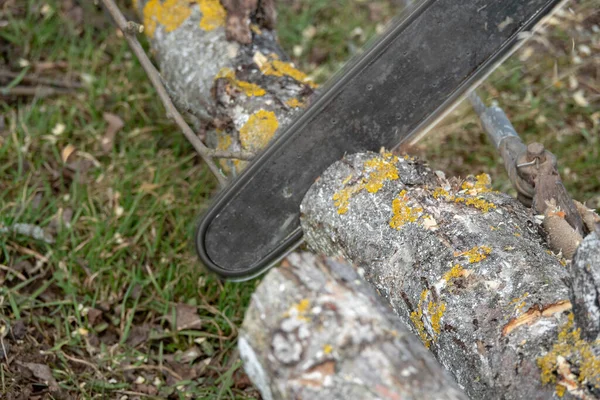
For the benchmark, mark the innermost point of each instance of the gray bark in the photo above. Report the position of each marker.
(585, 286)
(490, 318)
(315, 329)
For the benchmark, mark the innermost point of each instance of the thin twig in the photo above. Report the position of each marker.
(41, 81)
(40, 91)
(153, 368)
(237, 155)
(154, 77)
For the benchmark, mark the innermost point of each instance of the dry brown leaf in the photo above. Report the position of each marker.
(138, 335)
(148, 187)
(94, 315)
(187, 317)
(67, 152)
(115, 124)
(42, 372)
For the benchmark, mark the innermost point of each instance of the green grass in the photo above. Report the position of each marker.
(126, 251)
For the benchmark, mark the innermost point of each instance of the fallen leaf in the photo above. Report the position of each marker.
(115, 124)
(94, 315)
(42, 372)
(580, 99)
(187, 317)
(67, 152)
(148, 187)
(59, 129)
(138, 335)
(190, 354)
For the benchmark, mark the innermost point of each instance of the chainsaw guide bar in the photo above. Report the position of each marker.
(395, 90)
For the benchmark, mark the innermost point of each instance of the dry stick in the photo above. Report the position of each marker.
(136, 47)
(41, 81)
(40, 91)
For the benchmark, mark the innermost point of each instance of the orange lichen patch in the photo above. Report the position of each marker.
(341, 198)
(170, 14)
(402, 213)
(435, 311)
(577, 351)
(455, 272)
(276, 67)
(478, 203)
(295, 103)
(381, 169)
(471, 196)
(417, 319)
(482, 184)
(476, 254)
(440, 192)
(249, 89)
(534, 314)
(378, 170)
(258, 130)
(213, 14)
(299, 310)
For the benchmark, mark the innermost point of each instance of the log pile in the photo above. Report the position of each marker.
(465, 270)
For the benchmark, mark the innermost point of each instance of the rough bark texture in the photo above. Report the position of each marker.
(465, 267)
(585, 286)
(315, 329)
(242, 89)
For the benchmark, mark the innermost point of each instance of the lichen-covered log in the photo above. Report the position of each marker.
(316, 330)
(464, 266)
(585, 286)
(222, 63)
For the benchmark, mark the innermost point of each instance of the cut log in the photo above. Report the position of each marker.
(585, 286)
(464, 267)
(238, 92)
(316, 330)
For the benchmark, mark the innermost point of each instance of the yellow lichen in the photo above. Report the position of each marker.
(477, 253)
(471, 196)
(378, 170)
(560, 390)
(381, 169)
(294, 103)
(455, 272)
(170, 14)
(417, 319)
(482, 184)
(258, 130)
(276, 67)
(435, 311)
(249, 89)
(576, 351)
(402, 213)
(341, 199)
(439, 192)
(256, 29)
(327, 349)
(299, 310)
(213, 14)
(478, 203)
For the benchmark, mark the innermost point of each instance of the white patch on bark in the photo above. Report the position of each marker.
(254, 369)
